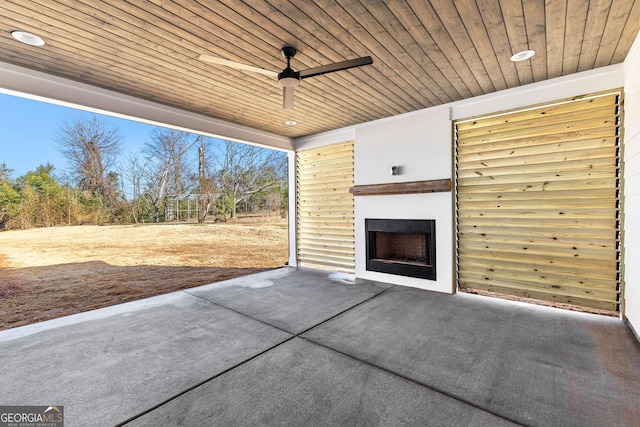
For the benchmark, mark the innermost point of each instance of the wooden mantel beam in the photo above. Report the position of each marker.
(431, 186)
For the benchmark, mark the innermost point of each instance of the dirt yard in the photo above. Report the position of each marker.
(51, 272)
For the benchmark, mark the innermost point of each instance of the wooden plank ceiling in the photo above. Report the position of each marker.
(425, 53)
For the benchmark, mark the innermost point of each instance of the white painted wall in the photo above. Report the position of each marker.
(420, 144)
(631, 156)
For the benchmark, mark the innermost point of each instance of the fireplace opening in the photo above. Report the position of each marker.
(400, 246)
(405, 248)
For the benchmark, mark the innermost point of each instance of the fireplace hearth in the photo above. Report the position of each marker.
(405, 247)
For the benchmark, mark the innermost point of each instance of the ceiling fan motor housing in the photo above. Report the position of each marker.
(288, 77)
(288, 52)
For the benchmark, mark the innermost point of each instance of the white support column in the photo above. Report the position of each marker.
(293, 242)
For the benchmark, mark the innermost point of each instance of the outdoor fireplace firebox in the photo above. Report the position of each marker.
(405, 247)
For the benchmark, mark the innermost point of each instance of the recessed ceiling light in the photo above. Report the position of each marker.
(523, 56)
(290, 123)
(27, 38)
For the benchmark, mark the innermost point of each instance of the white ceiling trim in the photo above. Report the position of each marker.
(22, 82)
(577, 84)
(325, 138)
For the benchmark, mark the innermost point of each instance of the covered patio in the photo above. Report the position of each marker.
(297, 346)
(312, 347)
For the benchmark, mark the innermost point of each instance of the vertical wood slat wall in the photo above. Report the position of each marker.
(538, 202)
(325, 208)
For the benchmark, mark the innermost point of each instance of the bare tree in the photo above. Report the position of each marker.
(133, 172)
(155, 186)
(246, 170)
(166, 170)
(208, 193)
(91, 149)
(274, 202)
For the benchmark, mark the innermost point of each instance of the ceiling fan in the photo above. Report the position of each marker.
(288, 78)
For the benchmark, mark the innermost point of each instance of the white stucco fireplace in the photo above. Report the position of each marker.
(420, 146)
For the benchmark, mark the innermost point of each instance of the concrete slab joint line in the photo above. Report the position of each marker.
(418, 383)
(305, 347)
(245, 361)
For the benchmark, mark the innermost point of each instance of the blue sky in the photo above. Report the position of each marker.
(29, 130)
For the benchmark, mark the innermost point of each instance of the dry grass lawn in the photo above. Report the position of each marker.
(52, 272)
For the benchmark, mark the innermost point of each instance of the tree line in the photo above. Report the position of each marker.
(198, 177)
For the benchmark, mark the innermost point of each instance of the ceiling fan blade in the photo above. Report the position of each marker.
(287, 97)
(237, 65)
(338, 66)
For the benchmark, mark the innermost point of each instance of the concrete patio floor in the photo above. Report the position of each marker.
(309, 347)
